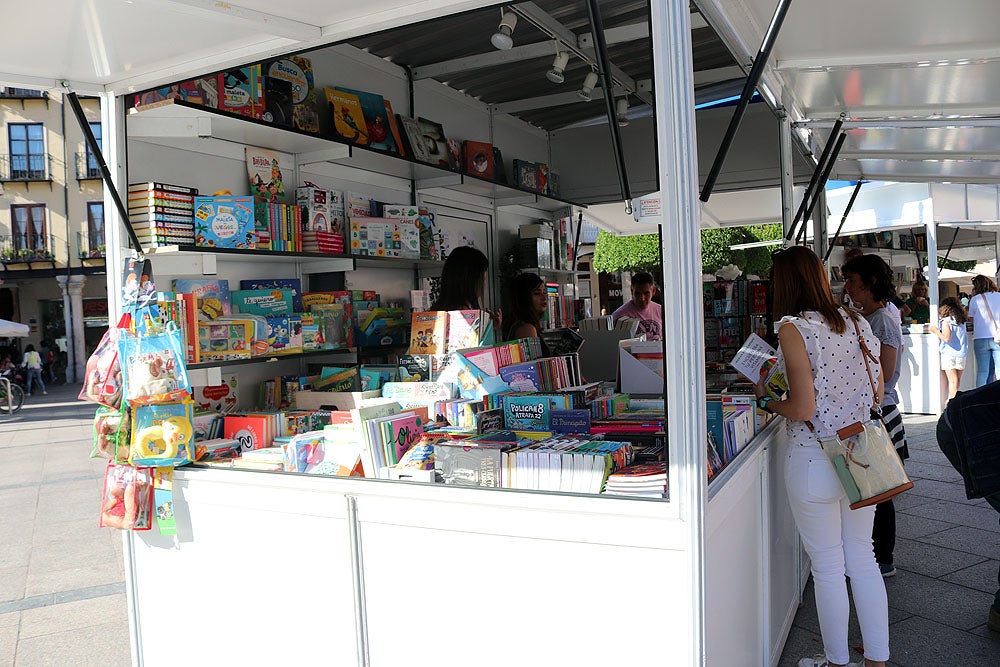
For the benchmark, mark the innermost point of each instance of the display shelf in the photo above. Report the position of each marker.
(241, 252)
(183, 125)
(554, 272)
(361, 262)
(267, 358)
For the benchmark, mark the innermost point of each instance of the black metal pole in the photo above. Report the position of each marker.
(807, 195)
(748, 89)
(601, 47)
(822, 184)
(843, 219)
(952, 244)
(95, 149)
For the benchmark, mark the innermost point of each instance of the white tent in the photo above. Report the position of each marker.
(13, 329)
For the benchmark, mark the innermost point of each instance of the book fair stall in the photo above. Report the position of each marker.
(280, 397)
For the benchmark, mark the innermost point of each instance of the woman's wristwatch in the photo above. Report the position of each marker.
(762, 403)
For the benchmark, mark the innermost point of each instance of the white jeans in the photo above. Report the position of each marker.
(839, 542)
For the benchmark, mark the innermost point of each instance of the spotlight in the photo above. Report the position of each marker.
(556, 74)
(586, 93)
(501, 38)
(621, 106)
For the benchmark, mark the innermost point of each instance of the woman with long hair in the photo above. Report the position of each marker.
(954, 342)
(868, 281)
(984, 311)
(463, 280)
(528, 301)
(828, 388)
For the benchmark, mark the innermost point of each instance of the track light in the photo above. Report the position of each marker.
(557, 73)
(621, 106)
(501, 38)
(586, 93)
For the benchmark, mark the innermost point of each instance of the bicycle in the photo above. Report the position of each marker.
(11, 397)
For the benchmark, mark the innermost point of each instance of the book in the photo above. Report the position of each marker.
(436, 143)
(526, 175)
(413, 135)
(266, 302)
(373, 110)
(224, 222)
(211, 296)
(455, 150)
(226, 339)
(466, 328)
(266, 171)
(293, 285)
(477, 159)
(348, 116)
(252, 431)
(292, 104)
(394, 129)
(220, 398)
(531, 412)
(429, 332)
(756, 359)
(163, 187)
(242, 91)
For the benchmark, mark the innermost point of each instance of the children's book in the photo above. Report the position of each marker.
(293, 285)
(266, 170)
(252, 431)
(532, 412)
(429, 332)
(757, 359)
(403, 431)
(526, 175)
(436, 143)
(348, 116)
(297, 106)
(231, 338)
(394, 129)
(266, 302)
(211, 296)
(220, 398)
(242, 91)
(373, 109)
(224, 222)
(415, 145)
(478, 159)
(466, 328)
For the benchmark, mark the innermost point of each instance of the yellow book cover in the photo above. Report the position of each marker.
(348, 118)
(429, 332)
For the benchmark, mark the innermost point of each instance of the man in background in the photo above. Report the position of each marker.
(642, 307)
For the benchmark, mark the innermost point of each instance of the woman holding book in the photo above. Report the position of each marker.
(463, 282)
(528, 300)
(828, 388)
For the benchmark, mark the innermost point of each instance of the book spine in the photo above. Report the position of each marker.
(169, 210)
(165, 187)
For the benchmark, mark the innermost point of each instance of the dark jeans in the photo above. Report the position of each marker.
(949, 447)
(884, 532)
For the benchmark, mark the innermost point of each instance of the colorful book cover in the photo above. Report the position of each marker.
(531, 412)
(478, 159)
(348, 116)
(465, 328)
(569, 421)
(394, 129)
(526, 175)
(373, 109)
(225, 222)
(265, 302)
(429, 332)
(222, 340)
(252, 431)
(299, 109)
(293, 285)
(266, 171)
(211, 296)
(217, 398)
(523, 377)
(471, 381)
(405, 430)
(162, 434)
(335, 324)
(242, 91)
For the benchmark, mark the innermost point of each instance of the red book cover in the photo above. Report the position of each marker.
(252, 431)
(477, 159)
(191, 326)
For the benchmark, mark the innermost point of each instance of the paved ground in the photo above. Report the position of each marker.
(62, 599)
(946, 555)
(62, 582)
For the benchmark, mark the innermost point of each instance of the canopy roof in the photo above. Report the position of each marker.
(13, 329)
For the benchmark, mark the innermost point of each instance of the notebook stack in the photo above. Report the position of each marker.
(162, 214)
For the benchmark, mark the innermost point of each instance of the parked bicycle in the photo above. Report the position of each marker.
(11, 396)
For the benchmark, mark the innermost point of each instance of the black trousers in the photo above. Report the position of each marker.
(884, 528)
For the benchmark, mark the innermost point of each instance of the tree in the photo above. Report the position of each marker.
(626, 253)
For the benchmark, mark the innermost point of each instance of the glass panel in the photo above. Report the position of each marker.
(92, 167)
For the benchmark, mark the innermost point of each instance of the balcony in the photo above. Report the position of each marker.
(91, 245)
(22, 93)
(25, 168)
(27, 249)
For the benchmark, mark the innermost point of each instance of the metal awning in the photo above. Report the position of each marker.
(918, 81)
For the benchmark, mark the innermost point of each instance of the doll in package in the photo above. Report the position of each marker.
(103, 380)
(154, 368)
(128, 498)
(112, 431)
(162, 435)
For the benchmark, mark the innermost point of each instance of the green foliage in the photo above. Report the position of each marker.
(956, 265)
(626, 253)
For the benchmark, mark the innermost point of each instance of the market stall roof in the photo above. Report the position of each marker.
(10, 329)
(917, 80)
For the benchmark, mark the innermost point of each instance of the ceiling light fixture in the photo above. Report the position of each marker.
(501, 38)
(621, 106)
(557, 73)
(586, 93)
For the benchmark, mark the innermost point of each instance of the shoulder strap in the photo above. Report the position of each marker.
(989, 311)
(866, 354)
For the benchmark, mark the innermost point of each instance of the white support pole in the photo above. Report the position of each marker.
(933, 386)
(788, 204)
(115, 239)
(676, 151)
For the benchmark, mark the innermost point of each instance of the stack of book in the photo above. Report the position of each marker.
(648, 480)
(325, 242)
(161, 214)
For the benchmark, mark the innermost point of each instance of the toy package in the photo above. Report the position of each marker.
(102, 382)
(153, 367)
(163, 435)
(128, 498)
(112, 431)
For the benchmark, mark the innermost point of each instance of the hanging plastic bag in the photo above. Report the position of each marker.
(154, 368)
(127, 501)
(102, 382)
(162, 435)
(112, 431)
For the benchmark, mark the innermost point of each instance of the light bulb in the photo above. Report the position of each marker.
(501, 39)
(586, 92)
(556, 74)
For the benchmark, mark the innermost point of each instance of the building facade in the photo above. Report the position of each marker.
(52, 271)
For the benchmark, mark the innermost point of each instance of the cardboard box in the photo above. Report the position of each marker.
(333, 400)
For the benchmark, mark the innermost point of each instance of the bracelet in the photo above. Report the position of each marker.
(762, 403)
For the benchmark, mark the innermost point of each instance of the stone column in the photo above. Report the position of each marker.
(79, 346)
(68, 327)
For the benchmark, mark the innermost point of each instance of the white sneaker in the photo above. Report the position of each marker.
(820, 661)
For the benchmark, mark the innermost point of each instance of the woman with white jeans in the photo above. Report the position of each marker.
(828, 388)
(984, 309)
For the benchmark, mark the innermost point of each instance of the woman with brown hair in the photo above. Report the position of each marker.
(954, 342)
(984, 311)
(828, 388)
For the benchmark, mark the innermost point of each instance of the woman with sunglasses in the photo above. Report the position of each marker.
(828, 388)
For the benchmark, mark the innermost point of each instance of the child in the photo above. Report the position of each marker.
(954, 344)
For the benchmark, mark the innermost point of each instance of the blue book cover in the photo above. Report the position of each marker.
(261, 302)
(569, 421)
(376, 118)
(278, 334)
(531, 412)
(472, 381)
(224, 222)
(211, 296)
(522, 377)
(715, 420)
(293, 285)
